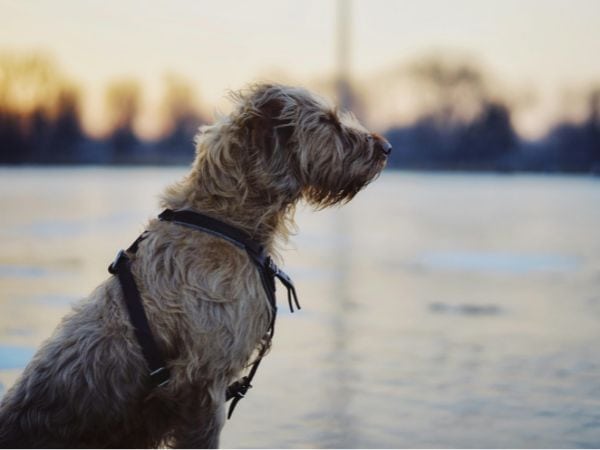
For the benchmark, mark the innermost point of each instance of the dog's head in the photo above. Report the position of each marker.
(289, 144)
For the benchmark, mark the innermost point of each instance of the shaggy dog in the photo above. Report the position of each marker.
(88, 384)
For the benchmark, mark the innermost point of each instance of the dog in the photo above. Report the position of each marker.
(205, 303)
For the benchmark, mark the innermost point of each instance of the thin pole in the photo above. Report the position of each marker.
(341, 350)
(343, 53)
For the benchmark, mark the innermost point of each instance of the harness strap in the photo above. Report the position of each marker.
(237, 390)
(193, 219)
(121, 266)
(268, 270)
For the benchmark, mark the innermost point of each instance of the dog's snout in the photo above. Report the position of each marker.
(386, 147)
(383, 144)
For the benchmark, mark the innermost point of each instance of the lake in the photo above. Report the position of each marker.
(438, 310)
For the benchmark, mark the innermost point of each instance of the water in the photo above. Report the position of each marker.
(438, 310)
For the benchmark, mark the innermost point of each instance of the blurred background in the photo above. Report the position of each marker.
(454, 303)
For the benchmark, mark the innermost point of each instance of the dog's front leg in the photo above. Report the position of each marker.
(202, 429)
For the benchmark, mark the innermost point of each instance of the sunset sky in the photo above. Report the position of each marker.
(545, 49)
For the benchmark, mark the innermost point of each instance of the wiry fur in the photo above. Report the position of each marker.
(87, 386)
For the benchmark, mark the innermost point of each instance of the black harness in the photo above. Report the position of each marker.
(121, 267)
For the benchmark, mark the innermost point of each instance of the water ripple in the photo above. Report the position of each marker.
(511, 263)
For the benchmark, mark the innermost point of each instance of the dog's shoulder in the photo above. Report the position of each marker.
(186, 259)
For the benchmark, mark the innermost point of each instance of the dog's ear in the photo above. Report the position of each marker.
(270, 125)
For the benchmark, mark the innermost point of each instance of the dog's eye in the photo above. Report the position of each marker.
(369, 138)
(327, 118)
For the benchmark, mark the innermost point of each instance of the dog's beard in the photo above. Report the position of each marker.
(342, 188)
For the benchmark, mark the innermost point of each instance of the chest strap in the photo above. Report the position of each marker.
(268, 271)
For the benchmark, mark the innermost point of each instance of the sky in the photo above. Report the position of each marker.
(541, 49)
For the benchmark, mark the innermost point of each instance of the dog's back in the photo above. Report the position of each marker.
(72, 393)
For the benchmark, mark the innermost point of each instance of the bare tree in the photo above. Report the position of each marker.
(123, 99)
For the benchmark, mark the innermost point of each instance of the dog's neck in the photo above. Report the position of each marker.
(267, 223)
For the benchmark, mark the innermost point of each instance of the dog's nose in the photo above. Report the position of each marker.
(386, 147)
(383, 144)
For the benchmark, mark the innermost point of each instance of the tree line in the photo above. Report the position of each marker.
(40, 119)
(464, 126)
(469, 128)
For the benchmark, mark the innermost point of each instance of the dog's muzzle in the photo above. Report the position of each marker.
(382, 144)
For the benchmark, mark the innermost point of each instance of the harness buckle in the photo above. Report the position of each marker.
(272, 266)
(112, 269)
(238, 389)
(160, 376)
